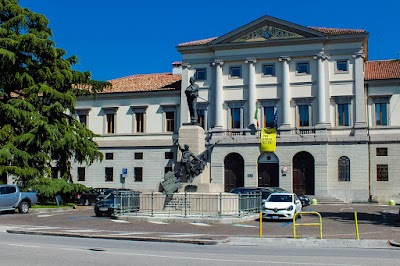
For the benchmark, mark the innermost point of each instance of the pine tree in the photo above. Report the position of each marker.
(38, 92)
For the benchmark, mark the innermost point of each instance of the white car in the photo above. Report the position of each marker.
(281, 206)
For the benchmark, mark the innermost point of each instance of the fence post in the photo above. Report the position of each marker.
(152, 203)
(185, 203)
(220, 204)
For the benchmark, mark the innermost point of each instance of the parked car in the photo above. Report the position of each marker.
(281, 205)
(305, 201)
(106, 205)
(12, 198)
(88, 197)
(265, 191)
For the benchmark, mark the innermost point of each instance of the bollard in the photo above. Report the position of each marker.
(356, 221)
(392, 203)
(314, 202)
(261, 224)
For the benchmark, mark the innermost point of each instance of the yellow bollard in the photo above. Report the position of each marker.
(356, 220)
(261, 221)
(392, 203)
(314, 202)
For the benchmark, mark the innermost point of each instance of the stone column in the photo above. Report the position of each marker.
(322, 122)
(252, 90)
(360, 120)
(186, 74)
(218, 93)
(285, 94)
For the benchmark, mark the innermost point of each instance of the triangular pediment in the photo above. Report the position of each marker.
(266, 29)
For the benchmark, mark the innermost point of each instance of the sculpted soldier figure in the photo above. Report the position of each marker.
(192, 92)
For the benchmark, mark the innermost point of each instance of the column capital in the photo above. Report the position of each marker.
(217, 62)
(186, 66)
(250, 60)
(359, 55)
(323, 56)
(285, 58)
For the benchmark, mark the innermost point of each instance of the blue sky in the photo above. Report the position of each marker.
(119, 38)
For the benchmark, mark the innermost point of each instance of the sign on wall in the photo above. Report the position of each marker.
(268, 140)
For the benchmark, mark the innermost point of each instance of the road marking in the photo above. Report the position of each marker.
(184, 235)
(156, 222)
(200, 224)
(26, 246)
(342, 209)
(44, 215)
(120, 221)
(245, 225)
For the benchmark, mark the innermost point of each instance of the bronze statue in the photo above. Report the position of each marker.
(192, 92)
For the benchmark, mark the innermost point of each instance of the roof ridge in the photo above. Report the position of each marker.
(144, 74)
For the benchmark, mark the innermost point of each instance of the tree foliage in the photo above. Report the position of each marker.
(38, 93)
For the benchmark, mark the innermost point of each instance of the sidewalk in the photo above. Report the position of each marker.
(202, 239)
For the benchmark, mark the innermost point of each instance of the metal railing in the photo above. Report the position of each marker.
(187, 204)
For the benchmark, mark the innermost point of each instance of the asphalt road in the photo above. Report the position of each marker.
(49, 250)
(375, 222)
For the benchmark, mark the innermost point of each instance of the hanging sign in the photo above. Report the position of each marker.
(268, 140)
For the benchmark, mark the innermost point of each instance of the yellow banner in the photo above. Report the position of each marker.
(268, 140)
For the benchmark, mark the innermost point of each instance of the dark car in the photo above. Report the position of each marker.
(108, 203)
(88, 197)
(305, 201)
(265, 191)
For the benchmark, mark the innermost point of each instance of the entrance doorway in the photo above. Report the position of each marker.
(234, 171)
(268, 170)
(303, 174)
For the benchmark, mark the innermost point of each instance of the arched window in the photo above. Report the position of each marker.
(344, 168)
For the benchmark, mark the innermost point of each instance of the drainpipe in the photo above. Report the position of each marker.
(369, 149)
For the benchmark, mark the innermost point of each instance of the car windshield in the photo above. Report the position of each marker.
(280, 198)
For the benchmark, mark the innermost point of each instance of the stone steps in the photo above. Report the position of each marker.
(326, 199)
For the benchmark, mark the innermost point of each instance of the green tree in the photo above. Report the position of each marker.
(38, 92)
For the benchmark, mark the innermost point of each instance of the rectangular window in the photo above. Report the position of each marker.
(109, 172)
(302, 68)
(201, 74)
(139, 122)
(110, 123)
(109, 156)
(304, 115)
(235, 117)
(382, 172)
(83, 119)
(269, 116)
(381, 114)
(81, 174)
(169, 155)
(138, 155)
(138, 174)
(170, 121)
(343, 114)
(381, 152)
(342, 66)
(269, 70)
(235, 72)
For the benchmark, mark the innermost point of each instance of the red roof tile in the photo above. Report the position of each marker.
(145, 82)
(382, 69)
(329, 31)
(336, 31)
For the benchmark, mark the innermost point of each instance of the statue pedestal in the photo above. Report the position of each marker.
(193, 136)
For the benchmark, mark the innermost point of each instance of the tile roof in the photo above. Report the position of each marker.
(145, 82)
(329, 31)
(382, 69)
(336, 31)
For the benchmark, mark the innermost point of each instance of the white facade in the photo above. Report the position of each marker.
(310, 81)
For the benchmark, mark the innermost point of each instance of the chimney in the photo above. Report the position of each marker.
(176, 68)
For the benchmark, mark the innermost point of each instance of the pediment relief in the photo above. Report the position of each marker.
(266, 33)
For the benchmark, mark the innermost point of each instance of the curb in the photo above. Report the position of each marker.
(394, 243)
(148, 239)
(47, 210)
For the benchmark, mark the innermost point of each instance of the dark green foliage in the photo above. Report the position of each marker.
(49, 188)
(38, 91)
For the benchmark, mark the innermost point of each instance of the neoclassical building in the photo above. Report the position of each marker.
(335, 113)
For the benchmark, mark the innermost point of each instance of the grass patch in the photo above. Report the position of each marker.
(52, 205)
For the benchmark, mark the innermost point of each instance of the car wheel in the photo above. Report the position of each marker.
(23, 207)
(86, 202)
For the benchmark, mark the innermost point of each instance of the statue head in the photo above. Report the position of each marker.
(192, 80)
(186, 147)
